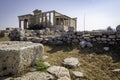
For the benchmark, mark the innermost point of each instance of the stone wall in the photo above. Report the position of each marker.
(107, 37)
(110, 37)
(16, 56)
(4, 33)
(21, 35)
(41, 36)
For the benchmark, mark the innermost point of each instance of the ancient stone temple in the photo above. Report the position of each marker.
(50, 19)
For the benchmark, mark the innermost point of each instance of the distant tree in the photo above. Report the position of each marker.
(109, 28)
(118, 28)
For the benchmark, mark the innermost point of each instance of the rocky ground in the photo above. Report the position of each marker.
(94, 63)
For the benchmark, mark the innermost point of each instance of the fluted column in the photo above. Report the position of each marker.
(54, 19)
(25, 24)
(46, 19)
(20, 24)
(75, 24)
(49, 19)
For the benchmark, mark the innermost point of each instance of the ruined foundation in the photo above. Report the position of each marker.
(17, 56)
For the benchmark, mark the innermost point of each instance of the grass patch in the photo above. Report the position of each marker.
(41, 66)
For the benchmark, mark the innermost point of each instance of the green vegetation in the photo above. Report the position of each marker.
(41, 66)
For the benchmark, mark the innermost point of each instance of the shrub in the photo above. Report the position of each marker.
(41, 66)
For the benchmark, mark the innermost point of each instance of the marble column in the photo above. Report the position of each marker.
(46, 19)
(54, 19)
(75, 25)
(62, 20)
(20, 24)
(42, 18)
(49, 19)
(69, 22)
(25, 24)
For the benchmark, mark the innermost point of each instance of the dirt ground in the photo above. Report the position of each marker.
(96, 64)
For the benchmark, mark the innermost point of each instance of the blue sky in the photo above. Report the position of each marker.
(99, 13)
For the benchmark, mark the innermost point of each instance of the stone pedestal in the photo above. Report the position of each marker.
(17, 56)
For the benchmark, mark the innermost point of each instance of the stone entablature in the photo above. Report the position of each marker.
(50, 19)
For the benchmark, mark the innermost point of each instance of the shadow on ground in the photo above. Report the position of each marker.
(64, 48)
(114, 50)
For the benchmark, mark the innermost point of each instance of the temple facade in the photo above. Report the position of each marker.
(50, 19)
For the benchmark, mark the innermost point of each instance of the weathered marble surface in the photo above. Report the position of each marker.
(16, 56)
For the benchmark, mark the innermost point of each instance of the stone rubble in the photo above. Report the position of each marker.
(33, 69)
(18, 55)
(108, 36)
(59, 71)
(77, 74)
(34, 76)
(116, 70)
(17, 35)
(83, 44)
(106, 48)
(47, 64)
(45, 57)
(64, 78)
(15, 59)
(2, 34)
(71, 62)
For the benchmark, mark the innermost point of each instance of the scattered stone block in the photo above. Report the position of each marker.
(16, 56)
(77, 74)
(116, 70)
(71, 62)
(84, 44)
(33, 69)
(64, 78)
(106, 48)
(35, 76)
(47, 64)
(59, 71)
(45, 57)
